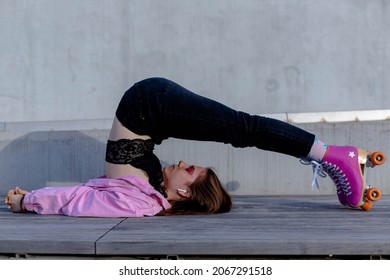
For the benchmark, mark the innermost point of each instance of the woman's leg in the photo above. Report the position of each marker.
(161, 109)
(116, 170)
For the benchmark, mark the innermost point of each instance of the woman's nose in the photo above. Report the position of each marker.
(182, 164)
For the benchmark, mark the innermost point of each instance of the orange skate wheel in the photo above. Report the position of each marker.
(378, 158)
(367, 205)
(373, 194)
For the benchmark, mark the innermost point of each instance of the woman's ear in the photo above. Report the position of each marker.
(182, 192)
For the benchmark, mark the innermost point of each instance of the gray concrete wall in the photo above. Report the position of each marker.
(34, 155)
(72, 60)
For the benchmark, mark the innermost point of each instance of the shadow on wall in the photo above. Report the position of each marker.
(54, 158)
(57, 158)
(232, 186)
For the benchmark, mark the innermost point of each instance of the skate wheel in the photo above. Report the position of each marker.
(373, 194)
(378, 158)
(367, 205)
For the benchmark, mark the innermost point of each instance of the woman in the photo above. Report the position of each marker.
(135, 184)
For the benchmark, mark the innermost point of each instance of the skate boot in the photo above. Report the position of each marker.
(346, 166)
(318, 170)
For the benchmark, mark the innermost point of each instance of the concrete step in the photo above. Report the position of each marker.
(38, 154)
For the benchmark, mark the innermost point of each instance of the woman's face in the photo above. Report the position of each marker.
(178, 177)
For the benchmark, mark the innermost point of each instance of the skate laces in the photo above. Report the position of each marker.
(318, 170)
(334, 172)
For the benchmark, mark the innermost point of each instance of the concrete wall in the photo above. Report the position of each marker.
(72, 60)
(65, 64)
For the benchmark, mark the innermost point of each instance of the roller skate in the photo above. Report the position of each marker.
(346, 166)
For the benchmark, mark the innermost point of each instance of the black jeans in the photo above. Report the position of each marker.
(161, 109)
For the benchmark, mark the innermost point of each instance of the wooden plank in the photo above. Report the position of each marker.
(59, 235)
(257, 226)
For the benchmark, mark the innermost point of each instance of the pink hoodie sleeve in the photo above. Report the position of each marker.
(97, 198)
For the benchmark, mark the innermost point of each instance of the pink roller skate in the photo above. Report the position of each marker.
(318, 170)
(346, 165)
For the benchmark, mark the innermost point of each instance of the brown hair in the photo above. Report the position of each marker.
(207, 197)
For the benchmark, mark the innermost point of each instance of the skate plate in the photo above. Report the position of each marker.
(369, 159)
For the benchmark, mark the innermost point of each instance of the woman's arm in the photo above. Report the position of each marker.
(82, 200)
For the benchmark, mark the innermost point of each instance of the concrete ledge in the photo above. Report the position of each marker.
(38, 154)
(56, 125)
(335, 117)
(295, 118)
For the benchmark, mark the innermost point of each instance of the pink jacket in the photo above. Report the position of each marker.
(128, 196)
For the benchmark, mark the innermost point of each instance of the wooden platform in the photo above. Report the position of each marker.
(257, 226)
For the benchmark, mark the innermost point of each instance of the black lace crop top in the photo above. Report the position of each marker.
(138, 153)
